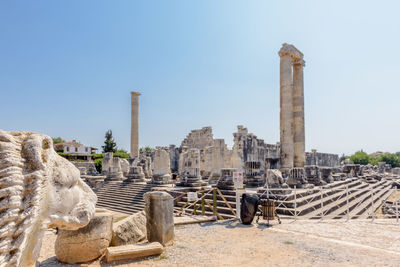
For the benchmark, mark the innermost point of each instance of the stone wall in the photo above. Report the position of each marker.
(322, 159)
(190, 163)
(89, 167)
(253, 156)
(200, 138)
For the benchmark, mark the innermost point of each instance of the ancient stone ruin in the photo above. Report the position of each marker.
(162, 167)
(292, 107)
(203, 161)
(40, 189)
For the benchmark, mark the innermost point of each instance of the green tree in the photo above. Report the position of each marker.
(360, 157)
(120, 153)
(391, 159)
(145, 149)
(57, 140)
(109, 143)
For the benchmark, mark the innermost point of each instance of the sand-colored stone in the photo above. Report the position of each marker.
(38, 188)
(135, 124)
(130, 230)
(286, 113)
(292, 134)
(87, 243)
(159, 217)
(130, 252)
(162, 167)
(298, 114)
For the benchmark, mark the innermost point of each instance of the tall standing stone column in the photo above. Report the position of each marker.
(298, 114)
(135, 124)
(286, 112)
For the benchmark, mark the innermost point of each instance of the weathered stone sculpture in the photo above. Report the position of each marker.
(38, 189)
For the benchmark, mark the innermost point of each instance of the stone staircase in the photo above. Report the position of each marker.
(334, 201)
(125, 197)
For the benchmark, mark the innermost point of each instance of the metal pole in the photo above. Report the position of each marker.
(322, 205)
(203, 210)
(347, 202)
(397, 208)
(372, 204)
(295, 203)
(239, 193)
(215, 201)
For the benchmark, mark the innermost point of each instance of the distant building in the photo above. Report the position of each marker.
(74, 150)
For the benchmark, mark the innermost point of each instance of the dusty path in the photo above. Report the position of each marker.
(300, 243)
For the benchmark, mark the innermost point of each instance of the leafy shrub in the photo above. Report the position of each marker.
(360, 157)
(98, 163)
(121, 154)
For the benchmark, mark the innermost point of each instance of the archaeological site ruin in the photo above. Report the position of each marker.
(303, 184)
(129, 209)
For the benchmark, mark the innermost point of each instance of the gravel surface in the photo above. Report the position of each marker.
(300, 243)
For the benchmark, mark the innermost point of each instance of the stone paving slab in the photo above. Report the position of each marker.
(182, 220)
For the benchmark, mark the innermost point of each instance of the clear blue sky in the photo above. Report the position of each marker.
(67, 67)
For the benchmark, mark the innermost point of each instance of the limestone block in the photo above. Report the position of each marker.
(116, 165)
(90, 168)
(130, 230)
(160, 217)
(274, 178)
(38, 188)
(396, 171)
(161, 162)
(226, 179)
(87, 243)
(82, 170)
(296, 178)
(107, 162)
(130, 252)
(124, 166)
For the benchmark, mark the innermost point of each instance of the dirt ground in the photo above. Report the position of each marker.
(292, 243)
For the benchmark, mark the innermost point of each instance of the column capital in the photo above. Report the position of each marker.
(288, 49)
(135, 93)
(299, 61)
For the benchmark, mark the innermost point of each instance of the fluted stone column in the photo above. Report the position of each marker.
(298, 114)
(135, 124)
(286, 112)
